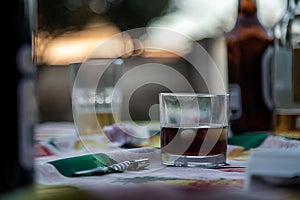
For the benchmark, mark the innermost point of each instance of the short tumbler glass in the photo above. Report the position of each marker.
(193, 129)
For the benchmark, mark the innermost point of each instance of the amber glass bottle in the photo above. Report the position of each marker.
(246, 43)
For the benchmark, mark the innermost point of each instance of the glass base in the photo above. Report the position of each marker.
(194, 161)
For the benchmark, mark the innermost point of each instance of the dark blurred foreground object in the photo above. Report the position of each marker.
(246, 43)
(16, 172)
(148, 192)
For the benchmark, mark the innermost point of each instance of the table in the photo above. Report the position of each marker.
(156, 182)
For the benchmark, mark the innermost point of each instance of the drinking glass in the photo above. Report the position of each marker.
(193, 129)
(96, 96)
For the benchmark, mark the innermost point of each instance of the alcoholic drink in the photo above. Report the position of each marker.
(287, 125)
(85, 122)
(194, 141)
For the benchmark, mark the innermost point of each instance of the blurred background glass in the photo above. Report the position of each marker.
(68, 30)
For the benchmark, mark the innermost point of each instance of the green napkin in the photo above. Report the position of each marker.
(68, 166)
(248, 140)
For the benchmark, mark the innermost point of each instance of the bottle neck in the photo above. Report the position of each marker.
(291, 5)
(247, 12)
(247, 7)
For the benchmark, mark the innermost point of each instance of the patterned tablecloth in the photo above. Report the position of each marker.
(59, 141)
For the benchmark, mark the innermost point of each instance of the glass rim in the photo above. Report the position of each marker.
(97, 61)
(187, 94)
